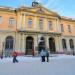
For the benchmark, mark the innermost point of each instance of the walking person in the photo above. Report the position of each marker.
(43, 54)
(14, 57)
(47, 56)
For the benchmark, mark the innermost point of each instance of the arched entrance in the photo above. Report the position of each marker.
(71, 44)
(29, 45)
(64, 44)
(41, 44)
(52, 45)
(8, 45)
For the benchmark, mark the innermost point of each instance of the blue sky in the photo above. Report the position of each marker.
(62, 7)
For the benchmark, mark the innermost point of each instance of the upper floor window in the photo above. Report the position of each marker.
(50, 25)
(41, 24)
(0, 19)
(62, 28)
(69, 28)
(29, 22)
(11, 21)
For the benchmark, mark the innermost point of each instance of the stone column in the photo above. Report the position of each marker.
(68, 44)
(17, 42)
(55, 27)
(35, 23)
(35, 44)
(58, 44)
(47, 42)
(19, 24)
(2, 47)
(74, 43)
(24, 22)
(58, 25)
(23, 43)
(61, 46)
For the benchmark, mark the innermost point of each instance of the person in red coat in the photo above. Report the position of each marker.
(14, 57)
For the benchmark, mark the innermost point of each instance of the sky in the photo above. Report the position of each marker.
(62, 7)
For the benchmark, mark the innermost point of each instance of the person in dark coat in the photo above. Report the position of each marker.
(47, 56)
(14, 57)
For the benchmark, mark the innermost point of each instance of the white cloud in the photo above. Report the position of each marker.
(49, 2)
(39, 0)
(54, 5)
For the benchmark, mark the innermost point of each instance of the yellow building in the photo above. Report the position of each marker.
(34, 28)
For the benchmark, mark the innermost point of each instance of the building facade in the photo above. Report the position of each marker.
(28, 29)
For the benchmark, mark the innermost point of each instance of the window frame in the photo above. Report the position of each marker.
(11, 21)
(69, 28)
(62, 28)
(30, 21)
(40, 24)
(50, 25)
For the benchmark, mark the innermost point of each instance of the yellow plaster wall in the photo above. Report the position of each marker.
(5, 20)
(65, 25)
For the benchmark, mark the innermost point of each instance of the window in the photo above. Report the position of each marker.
(62, 28)
(29, 22)
(69, 28)
(71, 44)
(41, 24)
(11, 21)
(64, 44)
(0, 19)
(50, 25)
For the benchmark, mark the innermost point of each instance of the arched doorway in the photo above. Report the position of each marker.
(64, 44)
(8, 45)
(71, 44)
(29, 45)
(52, 45)
(41, 44)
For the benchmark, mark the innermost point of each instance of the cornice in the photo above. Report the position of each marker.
(7, 9)
(41, 32)
(30, 9)
(67, 19)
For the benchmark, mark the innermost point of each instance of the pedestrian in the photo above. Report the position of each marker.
(14, 57)
(43, 54)
(47, 56)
